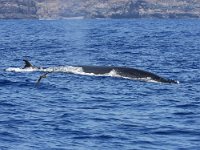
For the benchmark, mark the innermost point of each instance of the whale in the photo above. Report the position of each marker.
(124, 72)
(131, 73)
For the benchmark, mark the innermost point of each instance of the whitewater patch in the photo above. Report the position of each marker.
(64, 69)
(12, 69)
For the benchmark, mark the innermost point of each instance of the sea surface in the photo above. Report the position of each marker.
(70, 111)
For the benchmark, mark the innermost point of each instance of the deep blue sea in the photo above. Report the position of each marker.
(84, 112)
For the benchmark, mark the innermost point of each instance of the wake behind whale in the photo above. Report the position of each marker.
(113, 71)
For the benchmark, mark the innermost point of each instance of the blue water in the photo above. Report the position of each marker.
(79, 112)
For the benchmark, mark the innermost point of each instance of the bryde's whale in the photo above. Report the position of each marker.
(123, 72)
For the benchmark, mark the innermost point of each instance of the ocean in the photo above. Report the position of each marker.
(77, 111)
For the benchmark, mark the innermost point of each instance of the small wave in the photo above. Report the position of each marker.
(5, 82)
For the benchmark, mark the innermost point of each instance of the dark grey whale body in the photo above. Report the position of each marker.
(131, 73)
(127, 72)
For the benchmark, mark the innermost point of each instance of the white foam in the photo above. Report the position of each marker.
(148, 79)
(113, 73)
(67, 69)
(64, 69)
(12, 69)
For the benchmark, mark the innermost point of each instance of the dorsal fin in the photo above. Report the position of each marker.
(27, 64)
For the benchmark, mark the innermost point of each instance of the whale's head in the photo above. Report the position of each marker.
(169, 81)
(174, 81)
